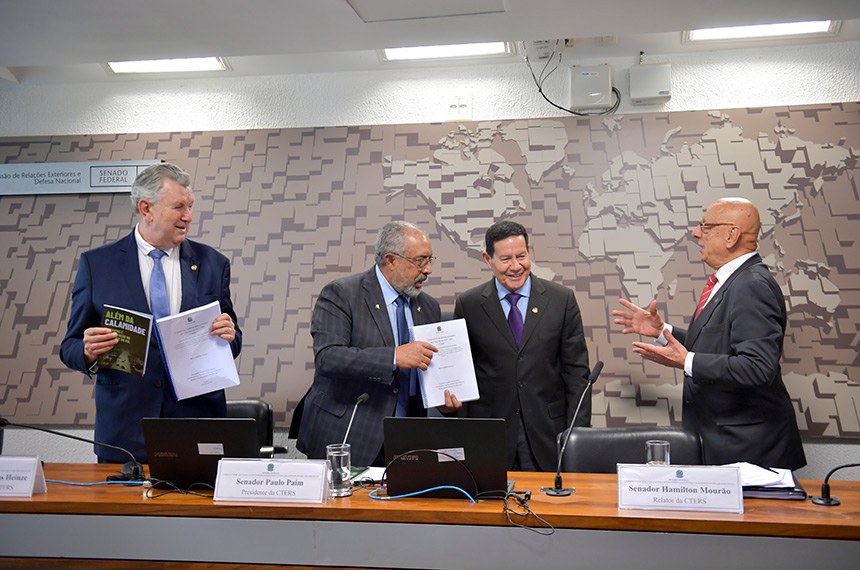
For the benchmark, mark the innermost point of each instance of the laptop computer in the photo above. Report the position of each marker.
(469, 453)
(185, 451)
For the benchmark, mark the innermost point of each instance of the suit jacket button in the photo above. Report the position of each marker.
(158, 383)
(396, 390)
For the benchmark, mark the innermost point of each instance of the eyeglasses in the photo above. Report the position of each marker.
(419, 262)
(704, 227)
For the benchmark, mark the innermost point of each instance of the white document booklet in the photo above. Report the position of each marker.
(196, 361)
(451, 368)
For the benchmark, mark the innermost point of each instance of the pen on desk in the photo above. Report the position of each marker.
(772, 470)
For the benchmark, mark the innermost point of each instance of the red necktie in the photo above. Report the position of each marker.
(706, 292)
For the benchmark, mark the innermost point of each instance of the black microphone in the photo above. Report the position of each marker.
(361, 399)
(131, 470)
(825, 500)
(558, 490)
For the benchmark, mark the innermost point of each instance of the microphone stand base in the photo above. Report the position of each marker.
(553, 492)
(826, 501)
(130, 471)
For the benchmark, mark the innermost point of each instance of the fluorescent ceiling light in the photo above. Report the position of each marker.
(444, 52)
(169, 65)
(765, 31)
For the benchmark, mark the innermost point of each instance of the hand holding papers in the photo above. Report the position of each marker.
(196, 361)
(451, 368)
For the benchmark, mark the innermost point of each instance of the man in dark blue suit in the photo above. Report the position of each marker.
(734, 395)
(357, 349)
(120, 274)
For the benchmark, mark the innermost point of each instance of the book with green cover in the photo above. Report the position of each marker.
(133, 330)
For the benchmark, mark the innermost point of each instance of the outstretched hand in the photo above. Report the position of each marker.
(673, 354)
(638, 320)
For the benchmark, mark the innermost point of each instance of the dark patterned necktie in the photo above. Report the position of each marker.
(403, 374)
(515, 318)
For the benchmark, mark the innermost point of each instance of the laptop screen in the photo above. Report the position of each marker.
(185, 451)
(423, 453)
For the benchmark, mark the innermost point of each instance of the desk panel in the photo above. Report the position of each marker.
(118, 523)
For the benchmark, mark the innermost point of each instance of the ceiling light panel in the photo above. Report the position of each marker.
(447, 52)
(189, 64)
(821, 28)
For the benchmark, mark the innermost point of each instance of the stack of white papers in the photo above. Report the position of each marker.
(755, 476)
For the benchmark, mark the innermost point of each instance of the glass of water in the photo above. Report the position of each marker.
(658, 452)
(339, 463)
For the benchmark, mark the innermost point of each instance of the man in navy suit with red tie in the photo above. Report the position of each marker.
(734, 395)
(124, 274)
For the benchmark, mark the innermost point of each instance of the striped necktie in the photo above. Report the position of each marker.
(706, 293)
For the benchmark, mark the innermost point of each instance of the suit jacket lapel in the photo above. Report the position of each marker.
(420, 315)
(128, 267)
(375, 304)
(189, 270)
(699, 322)
(537, 304)
(493, 309)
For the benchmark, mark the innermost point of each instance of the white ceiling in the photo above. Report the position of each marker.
(59, 41)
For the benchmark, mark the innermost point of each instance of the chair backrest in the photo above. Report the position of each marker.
(259, 410)
(597, 450)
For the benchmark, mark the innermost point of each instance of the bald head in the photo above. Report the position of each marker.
(743, 214)
(728, 230)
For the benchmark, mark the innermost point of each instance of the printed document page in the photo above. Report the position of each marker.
(197, 362)
(451, 368)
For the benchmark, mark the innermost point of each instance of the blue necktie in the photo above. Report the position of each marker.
(515, 317)
(403, 374)
(158, 299)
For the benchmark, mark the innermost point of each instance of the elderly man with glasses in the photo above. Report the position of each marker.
(734, 395)
(361, 332)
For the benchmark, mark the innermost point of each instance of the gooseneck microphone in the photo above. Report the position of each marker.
(131, 470)
(825, 500)
(361, 399)
(558, 490)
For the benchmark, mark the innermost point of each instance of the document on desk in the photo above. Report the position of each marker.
(197, 362)
(451, 368)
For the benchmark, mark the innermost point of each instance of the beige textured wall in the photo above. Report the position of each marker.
(610, 202)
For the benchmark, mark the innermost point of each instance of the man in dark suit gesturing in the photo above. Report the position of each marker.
(529, 351)
(734, 395)
(359, 347)
(121, 274)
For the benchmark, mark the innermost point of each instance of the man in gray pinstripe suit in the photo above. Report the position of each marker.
(354, 327)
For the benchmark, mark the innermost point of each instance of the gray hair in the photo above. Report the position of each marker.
(392, 237)
(147, 185)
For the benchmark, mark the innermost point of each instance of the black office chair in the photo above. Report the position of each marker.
(261, 412)
(597, 450)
